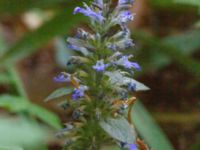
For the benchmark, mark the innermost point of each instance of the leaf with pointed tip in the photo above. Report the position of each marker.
(148, 129)
(119, 129)
(59, 93)
(18, 104)
(118, 78)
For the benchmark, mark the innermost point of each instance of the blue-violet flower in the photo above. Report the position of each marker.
(100, 66)
(128, 64)
(131, 86)
(79, 92)
(63, 77)
(125, 16)
(87, 11)
(132, 147)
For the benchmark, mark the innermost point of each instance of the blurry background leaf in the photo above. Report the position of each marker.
(2, 43)
(170, 52)
(162, 3)
(58, 25)
(18, 6)
(148, 129)
(10, 148)
(191, 2)
(4, 78)
(19, 105)
(186, 43)
(22, 133)
(110, 148)
(46, 116)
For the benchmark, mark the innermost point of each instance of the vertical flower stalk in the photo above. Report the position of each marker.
(101, 89)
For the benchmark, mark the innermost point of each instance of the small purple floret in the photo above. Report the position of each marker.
(131, 86)
(100, 66)
(132, 147)
(96, 16)
(62, 78)
(128, 64)
(125, 16)
(78, 92)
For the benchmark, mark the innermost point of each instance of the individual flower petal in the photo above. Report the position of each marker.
(87, 11)
(100, 66)
(132, 147)
(123, 61)
(131, 86)
(63, 77)
(79, 92)
(125, 16)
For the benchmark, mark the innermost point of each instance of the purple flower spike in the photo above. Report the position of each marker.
(125, 16)
(132, 147)
(63, 77)
(96, 16)
(79, 92)
(100, 66)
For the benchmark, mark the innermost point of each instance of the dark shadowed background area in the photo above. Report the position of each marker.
(33, 50)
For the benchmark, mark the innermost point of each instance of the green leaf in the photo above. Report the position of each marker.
(10, 148)
(119, 129)
(162, 3)
(18, 6)
(197, 24)
(59, 93)
(5, 78)
(148, 129)
(186, 43)
(22, 133)
(110, 148)
(13, 103)
(189, 2)
(2, 43)
(118, 78)
(33, 40)
(170, 52)
(46, 116)
(18, 105)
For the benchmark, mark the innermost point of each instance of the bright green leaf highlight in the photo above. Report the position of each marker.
(148, 129)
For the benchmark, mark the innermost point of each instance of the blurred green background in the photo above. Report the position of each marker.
(33, 50)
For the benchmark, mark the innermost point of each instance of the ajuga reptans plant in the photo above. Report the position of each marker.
(99, 92)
